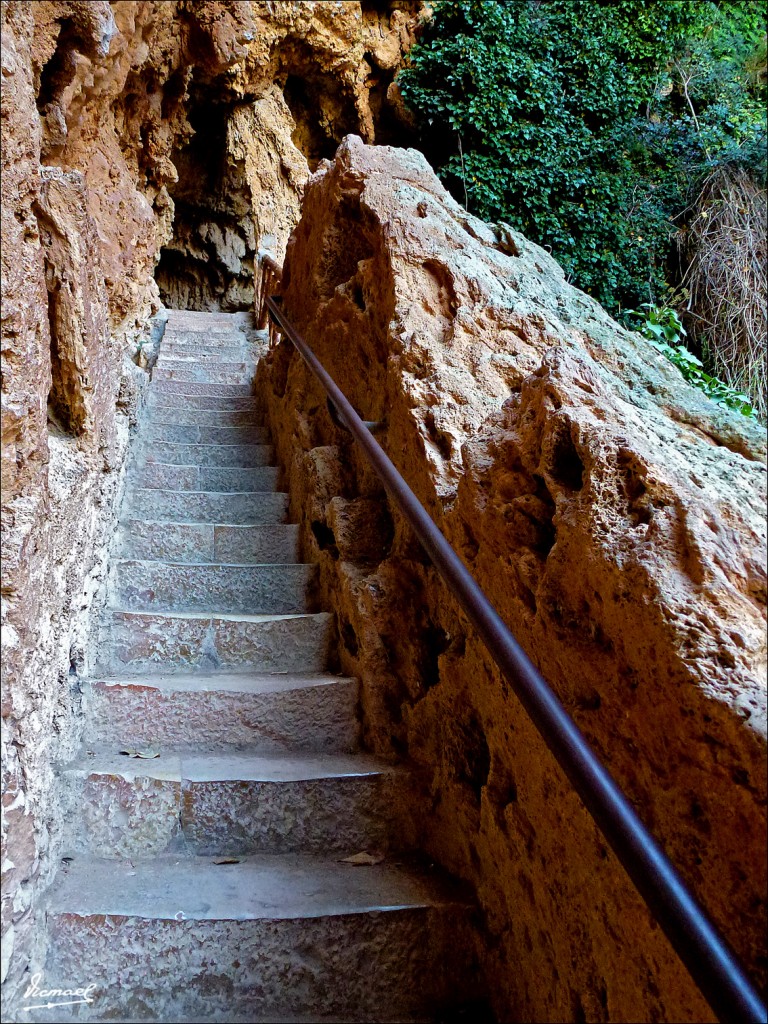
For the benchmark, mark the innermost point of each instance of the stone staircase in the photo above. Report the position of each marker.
(210, 882)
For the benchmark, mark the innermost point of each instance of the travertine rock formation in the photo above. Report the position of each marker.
(615, 518)
(128, 140)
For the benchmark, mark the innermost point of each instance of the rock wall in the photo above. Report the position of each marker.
(615, 518)
(68, 390)
(276, 87)
(132, 133)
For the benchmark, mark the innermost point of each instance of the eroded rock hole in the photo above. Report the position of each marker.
(60, 69)
(60, 414)
(345, 246)
(565, 464)
(349, 639)
(471, 755)
(435, 642)
(635, 490)
(439, 438)
(325, 537)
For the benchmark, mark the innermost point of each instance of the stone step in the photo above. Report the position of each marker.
(205, 339)
(164, 476)
(203, 417)
(222, 373)
(212, 324)
(208, 330)
(244, 508)
(133, 643)
(248, 456)
(188, 433)
(268, 713)
(208, 324)
(230, 803)
(185, 387)
(172, 361)
(211, 352)
(303, 933)
(253, 589)
(267, 1016)
(210, 339)
(163, 399)
(209, 542)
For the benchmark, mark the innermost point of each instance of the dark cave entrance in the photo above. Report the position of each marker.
(208, 264)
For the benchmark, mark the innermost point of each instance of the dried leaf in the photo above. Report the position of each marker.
(363, 859)
(227, 860)
(148, 754)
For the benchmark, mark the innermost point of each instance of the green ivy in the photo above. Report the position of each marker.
(661, 325)
(562, 119)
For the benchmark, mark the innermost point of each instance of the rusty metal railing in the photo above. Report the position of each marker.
(710, 962)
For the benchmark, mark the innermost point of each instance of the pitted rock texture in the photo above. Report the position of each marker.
(615, 518)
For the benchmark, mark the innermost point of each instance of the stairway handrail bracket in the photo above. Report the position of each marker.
(706, 955)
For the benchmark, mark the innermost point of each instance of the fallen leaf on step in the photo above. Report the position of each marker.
(227, 860)
(148, 753)
(363, 859)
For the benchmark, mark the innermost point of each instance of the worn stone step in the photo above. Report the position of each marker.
(172, 362)
(268, 713)
(165, 476)
(203, 417)
(206, 325)
(230, 803)
(207, 506)
(304, 933)
(170, 400)
(65, 1015)
(253, 589)
(214, 335)
(209, 542)
(188, 433)
(206, 339)
(210, 352)
(134, 643)
(222, 373)
(277, 1015)
(185, 387)
(248, 456)
(208, 330)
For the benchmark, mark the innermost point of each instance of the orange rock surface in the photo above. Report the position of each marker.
(615, 518)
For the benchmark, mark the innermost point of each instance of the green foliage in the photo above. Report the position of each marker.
(661, 325)
(586, 125)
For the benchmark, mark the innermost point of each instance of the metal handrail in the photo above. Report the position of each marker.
(710, 962)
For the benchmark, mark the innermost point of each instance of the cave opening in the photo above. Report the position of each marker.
(313, 134)
(208, 264)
